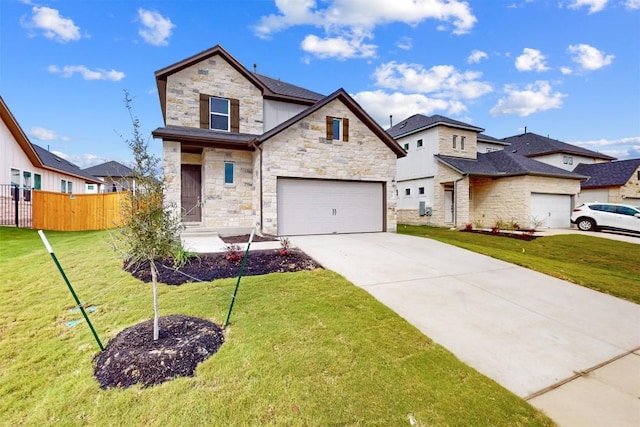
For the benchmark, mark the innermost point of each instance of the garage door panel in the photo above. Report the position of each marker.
(553, 209)
(307, 206)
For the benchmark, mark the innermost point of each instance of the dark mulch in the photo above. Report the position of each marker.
(244, 238)
(520, 235)
(207, 267)
(134, 357)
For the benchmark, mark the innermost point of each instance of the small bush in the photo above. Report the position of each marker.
(232, 252)
(478, 224)
(285, 246)
(468, 227)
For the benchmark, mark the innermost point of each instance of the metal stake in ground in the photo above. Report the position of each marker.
(244, 260)
(75, 297)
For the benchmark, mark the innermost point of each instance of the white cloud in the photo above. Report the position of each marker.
(566, 70)
(87, 74)
(82, 160)
(632, 4)
(476, 56)
(54, 26)
(531, 60)
(338, 47)
(441, 80)
(593, 5)
(380, 104)
(406, 43)
(44, 134)
(622, 148)
(533, 98)
(589, 58)
(348, 20)
(155, 29)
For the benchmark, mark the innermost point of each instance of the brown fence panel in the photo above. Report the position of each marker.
(76, 212)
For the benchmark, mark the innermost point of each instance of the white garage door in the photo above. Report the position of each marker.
(553, 209)
(309, 206)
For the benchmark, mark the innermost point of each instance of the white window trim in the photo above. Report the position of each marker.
(228, 115)
(233, 174)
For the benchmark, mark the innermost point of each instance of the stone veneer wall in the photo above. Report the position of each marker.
(302, 151)
(171, 168)
(446, 175)
(445, 142)
(215, 77)
(412, 216)
(510, 198)
(630, 189)
(227, 205)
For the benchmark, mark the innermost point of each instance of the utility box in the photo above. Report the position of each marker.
(424, 210)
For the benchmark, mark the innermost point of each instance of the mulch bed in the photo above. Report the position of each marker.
(134, 357)
(520, 235)
(207, 267)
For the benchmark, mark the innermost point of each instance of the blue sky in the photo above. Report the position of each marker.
(567, 69)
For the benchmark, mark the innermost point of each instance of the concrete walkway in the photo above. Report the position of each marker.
(527, 331)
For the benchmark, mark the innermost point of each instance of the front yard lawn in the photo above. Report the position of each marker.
(304, 348)
(602, 264)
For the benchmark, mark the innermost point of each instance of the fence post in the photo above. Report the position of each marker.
(16, 197)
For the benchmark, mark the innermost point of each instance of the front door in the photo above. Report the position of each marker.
(190, 199)
(448, 206)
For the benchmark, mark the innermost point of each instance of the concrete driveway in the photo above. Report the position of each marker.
(525, 330)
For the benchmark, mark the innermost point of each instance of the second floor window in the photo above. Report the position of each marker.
(219, 113)
(337, 129)
(455, 137)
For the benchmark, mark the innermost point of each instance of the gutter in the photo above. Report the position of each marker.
(253, 143)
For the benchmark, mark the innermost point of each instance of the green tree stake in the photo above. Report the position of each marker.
(64, 276)
(235, 292)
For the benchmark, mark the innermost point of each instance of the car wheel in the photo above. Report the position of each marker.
(586, 224)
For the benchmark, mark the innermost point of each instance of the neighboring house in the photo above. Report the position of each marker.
(114, 176)
(553, 152)
(31, 167)
(243, 150)
(454, 175)
(613, 182)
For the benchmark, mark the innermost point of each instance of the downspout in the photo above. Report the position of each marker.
(455, 199)
(253, 144)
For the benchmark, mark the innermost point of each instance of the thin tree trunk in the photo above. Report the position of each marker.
(156, 315)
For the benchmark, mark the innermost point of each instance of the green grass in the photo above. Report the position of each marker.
(303, 349)
(608, 266)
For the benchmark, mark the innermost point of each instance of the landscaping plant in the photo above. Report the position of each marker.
(151, 228)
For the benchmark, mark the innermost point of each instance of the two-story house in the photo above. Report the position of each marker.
(454, 175)
(243, 150)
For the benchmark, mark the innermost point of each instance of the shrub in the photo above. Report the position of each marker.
(478, 224)
(468, 227)
(232, 253)
(285, 246)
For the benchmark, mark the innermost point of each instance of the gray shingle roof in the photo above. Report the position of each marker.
(531, 145)
(419, 122)
(486, 138)
(206, 137)
(286, 89)
(608, 174)
(504, 163)
(110, 169)
(56, 162)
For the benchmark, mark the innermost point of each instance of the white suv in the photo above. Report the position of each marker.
(591, 216)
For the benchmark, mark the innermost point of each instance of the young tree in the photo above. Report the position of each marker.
(151, 229)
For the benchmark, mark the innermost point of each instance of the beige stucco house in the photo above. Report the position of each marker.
(455, 175)
(243, 150)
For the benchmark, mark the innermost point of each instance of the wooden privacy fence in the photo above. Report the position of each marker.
(77, 212)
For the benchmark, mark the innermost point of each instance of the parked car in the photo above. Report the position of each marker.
(592, 216)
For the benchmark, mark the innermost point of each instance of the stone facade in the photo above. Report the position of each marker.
(509, 199)
(215, 77)
(302, 151)
(445, 142)
(447, 177)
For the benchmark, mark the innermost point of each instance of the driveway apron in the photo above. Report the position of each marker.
(526, 330)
